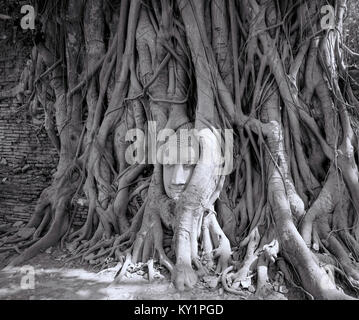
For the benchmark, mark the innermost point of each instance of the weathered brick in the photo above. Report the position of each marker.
(20, 145)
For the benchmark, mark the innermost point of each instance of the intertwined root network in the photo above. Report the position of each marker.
(268, 70)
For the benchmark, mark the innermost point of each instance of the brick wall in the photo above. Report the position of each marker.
(27, 157)
(11, 64)
(27, 164)
(27, 161)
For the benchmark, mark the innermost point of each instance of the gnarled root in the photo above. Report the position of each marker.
(215, 243)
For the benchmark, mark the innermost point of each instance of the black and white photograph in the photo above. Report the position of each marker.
(201, 152)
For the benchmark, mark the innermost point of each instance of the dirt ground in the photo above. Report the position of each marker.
(57, 280)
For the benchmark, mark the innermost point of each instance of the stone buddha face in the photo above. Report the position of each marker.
(180, 159)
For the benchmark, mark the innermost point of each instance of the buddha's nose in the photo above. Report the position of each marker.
(178, 177)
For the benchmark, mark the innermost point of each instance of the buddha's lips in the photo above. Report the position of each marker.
(177, 189)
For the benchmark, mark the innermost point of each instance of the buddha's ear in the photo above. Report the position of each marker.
(219, 187)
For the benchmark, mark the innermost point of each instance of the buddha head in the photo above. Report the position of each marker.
(180, 155)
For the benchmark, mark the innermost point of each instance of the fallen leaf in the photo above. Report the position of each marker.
(211, 281)
(283, 289)
(246, 283)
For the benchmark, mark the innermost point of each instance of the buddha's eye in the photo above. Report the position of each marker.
(188, 165)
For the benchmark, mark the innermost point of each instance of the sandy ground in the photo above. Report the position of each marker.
(55, 279)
